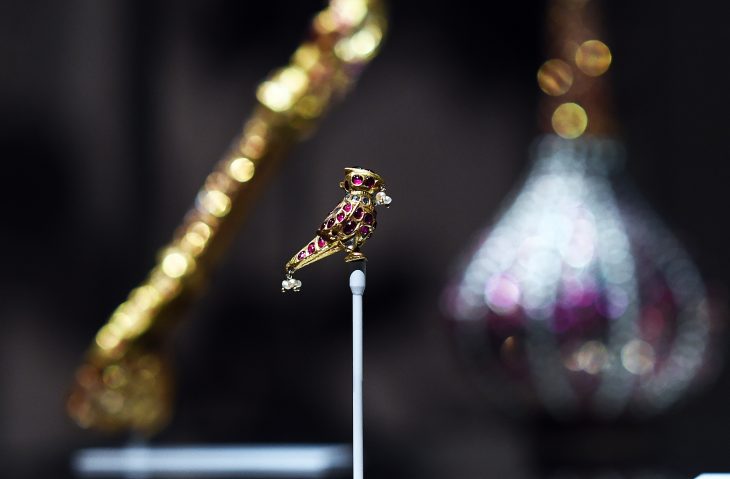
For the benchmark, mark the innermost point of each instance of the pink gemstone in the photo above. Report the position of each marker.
(310, 248)
(358, 213)
(347, 207)
(357, 180)
(321, 243)
(365, 230)
(340, 217)
(302, 255)
(330, 222)
(369, 181)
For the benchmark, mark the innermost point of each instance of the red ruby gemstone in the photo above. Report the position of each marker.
(368, 218)
(310, 248)
(357, 180)
(365, 230)
(358, 213)
(302, 255)
(340, 217)
(321, 243)
(369, 181)
(347, 207)
(330, 222)
(349, 227)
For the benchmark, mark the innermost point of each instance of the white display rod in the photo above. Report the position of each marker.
(357, 286)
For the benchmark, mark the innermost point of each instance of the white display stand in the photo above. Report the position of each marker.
(357, 286)
(275, 461)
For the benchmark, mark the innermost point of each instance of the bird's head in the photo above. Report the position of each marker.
(366, 182)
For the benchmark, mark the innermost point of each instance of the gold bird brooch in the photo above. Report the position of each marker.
(347, 227)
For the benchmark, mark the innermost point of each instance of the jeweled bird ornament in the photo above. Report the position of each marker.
(347, 227)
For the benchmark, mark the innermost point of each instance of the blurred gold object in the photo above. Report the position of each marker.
(125, 381)
(578, 98)
(347, 227)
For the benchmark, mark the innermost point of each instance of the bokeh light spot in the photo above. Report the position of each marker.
(591, 357)
(215, 202)
(502, 294)
(555, 77)
(276, 96)
(569, 120)
(593, 57)
(175, 264)
(241, 169)
(638, 357)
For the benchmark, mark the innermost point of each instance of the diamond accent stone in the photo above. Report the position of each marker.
(291, 283)
(382, 199)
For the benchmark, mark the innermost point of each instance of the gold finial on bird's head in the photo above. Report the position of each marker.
(347, 227)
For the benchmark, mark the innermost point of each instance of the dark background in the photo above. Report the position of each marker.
(112, 113)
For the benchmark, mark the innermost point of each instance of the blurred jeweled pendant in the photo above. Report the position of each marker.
(580, 299)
